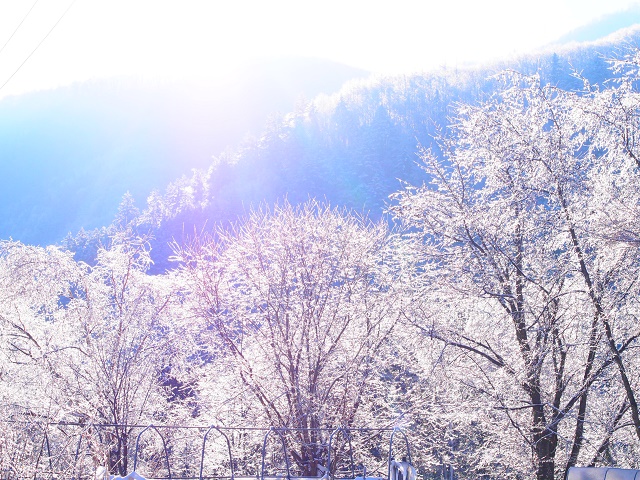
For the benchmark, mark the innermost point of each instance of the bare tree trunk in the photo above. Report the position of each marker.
(617, 358)
(604, 446)
(544, 440)
(578, 435)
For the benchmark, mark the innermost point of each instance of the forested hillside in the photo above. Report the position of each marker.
(350, 149)
(68, 155)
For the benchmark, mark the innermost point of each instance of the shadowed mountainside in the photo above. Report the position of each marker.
(68, 155)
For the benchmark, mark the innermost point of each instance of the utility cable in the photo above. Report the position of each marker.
(38, 46)
(19, 25)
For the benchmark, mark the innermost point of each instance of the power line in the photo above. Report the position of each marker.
(38, 46)
(19, 25)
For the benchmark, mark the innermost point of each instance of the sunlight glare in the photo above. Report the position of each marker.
(164, 39)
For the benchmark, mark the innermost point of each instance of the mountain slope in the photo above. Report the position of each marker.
(351, 149)
(68, 155)
(603, 26)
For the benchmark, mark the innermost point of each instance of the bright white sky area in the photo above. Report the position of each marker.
(208, 38)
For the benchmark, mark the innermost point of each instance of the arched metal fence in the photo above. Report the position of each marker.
(77, 451)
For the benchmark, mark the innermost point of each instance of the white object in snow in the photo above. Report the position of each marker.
(602, 473)
(131, 476)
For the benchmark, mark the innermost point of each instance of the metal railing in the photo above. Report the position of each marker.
(74, 458)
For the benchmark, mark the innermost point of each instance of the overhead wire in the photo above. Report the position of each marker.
(19, 25)
(38, 46)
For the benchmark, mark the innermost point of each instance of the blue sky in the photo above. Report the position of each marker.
(206, 39)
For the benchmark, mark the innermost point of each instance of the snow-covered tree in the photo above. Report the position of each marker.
(32, 280)
(91, 345)
(299, 306)
(508, 247)
(129, 337)
(127, 212)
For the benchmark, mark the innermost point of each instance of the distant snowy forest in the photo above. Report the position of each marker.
(485, 300)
